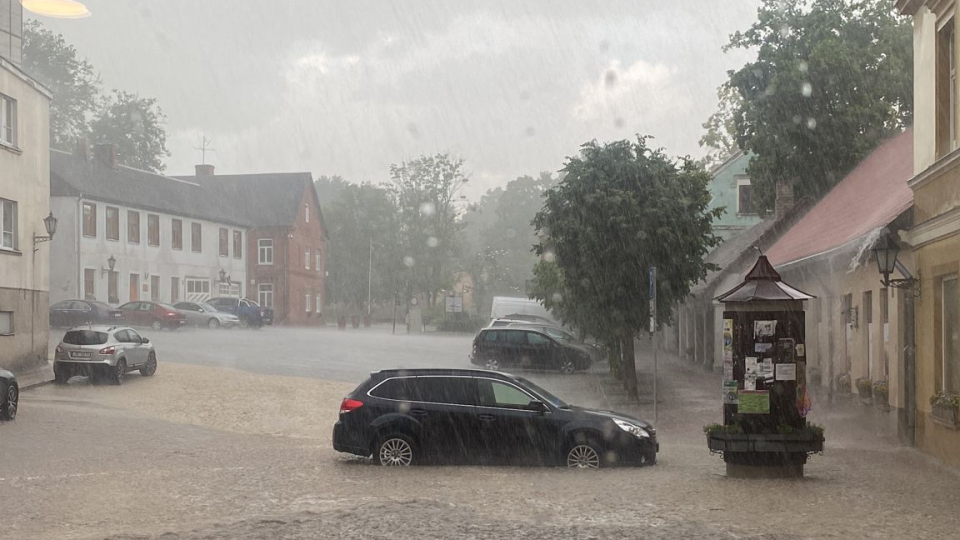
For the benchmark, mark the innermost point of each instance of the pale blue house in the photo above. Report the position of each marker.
(730, 188)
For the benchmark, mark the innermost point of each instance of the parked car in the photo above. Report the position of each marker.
(9, 395)
(406, 417)
(152, 314)
(70, 313)
(109, 351)
(496, 348)
(249, 312)
(497, 323)
(203, 314)
(596, 352)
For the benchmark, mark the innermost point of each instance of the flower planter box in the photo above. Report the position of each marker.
(945, 416)
(773, 442)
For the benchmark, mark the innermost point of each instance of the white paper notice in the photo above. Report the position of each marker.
(750, 365)
(750, 381)
(786, 372)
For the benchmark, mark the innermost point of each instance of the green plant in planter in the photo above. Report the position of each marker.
(815, 429)
(947, 401)
(843, 383)
(865, 387)
(881, 389)
(735, 429)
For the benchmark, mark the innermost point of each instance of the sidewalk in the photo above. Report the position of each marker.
(37, 376)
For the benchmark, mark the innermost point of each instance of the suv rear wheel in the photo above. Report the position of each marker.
(118, 372)
(396, 451)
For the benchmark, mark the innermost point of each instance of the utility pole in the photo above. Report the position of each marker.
(369, 277)
(653, 334)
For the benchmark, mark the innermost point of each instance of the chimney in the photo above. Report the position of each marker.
(81, 149)
(204, 170)
(106, 155)
(785, 201)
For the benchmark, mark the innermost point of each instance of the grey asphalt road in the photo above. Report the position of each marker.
(323, 353)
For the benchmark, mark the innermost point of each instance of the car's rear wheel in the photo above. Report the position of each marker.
(60, 374)
(118, 372)
(567, 366)
(585, 455)
(213, 324)
(157, 325)
(10, 403)
(151, 367)
(396, 451)
(491, 363)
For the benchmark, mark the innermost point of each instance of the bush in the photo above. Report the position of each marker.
(941, 399)
(881, 389)
(865, 387)
(461, 323)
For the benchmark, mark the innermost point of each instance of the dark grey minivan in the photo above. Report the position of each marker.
(498, 348)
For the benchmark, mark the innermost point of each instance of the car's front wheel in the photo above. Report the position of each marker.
(151, 367)
(585, 455)
(118, 372)
(396, 451)
(213, 324)
(8, 411)
(491, 363)
(567, 366)
(157, 325)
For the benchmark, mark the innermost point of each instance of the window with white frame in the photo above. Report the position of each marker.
(306, 258)
(306, 303)
(8, 224)
(950, 334)
(265, 251)
(6, 323)
(265, 295)
(8, 120)
(318, 301)
(306, 213)
(745, 204)
(197, 288)
(317, 265)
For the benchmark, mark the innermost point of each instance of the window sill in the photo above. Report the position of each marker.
(8, 251)
(11, 148)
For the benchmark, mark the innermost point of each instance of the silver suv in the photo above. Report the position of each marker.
(103, 350)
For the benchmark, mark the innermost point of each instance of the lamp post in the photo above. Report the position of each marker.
(50, 224)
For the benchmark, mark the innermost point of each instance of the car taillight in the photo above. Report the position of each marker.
(108, 350)
(348, 405)
(59, 348)
(171, 314)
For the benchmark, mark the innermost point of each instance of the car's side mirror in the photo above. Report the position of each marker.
(537, 406)
(144, 340)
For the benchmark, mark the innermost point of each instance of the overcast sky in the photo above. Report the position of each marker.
(349, 87)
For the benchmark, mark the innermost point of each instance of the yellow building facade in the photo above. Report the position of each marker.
(935, 236)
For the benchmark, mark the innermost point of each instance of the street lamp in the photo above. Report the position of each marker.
(886, 250)
(57, 9)
(50, 224)
(224, 278)
(111, 264)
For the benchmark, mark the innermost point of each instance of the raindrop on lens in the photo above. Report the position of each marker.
(427, 209)
(549, 257)
(433, 242)
(811, 123)
(408, 261)
(557, 297)
(797, 119)
(806, 89)
(803, 66)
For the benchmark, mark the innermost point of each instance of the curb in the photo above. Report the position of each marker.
(35, 385)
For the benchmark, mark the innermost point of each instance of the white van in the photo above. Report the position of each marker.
(505, 306)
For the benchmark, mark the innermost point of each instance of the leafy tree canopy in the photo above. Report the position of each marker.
(621, 208)
(832, 79)
(134, 124)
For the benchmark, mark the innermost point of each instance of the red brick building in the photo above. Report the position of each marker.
(286, 241)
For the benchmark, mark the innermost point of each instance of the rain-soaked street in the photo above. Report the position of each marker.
(209, 451)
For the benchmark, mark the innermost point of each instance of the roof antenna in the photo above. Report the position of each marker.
(203, 148)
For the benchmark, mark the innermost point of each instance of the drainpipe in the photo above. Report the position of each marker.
(77, 236)
(909, 367)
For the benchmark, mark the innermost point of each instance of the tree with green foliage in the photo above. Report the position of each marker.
(832, 79)
(621, 208)
(75, 86)
(363, 244)
(720, 137)
(426, 192)
(135, 125)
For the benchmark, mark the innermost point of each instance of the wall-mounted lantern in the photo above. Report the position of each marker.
(50, 224)
(887, 251)
(111, 264)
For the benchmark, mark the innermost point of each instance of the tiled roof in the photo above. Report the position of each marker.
(71, 176)
(728, 252)
(265, 200)
(870, 197)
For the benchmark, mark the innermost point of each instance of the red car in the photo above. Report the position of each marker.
(152, 314)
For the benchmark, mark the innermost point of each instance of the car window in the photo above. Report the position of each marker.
(538, 339)
(85, 337)
(515, 337)
(133, 336)
(100, 305)
(121, 336)
(61, 305)
(491, 336)
(206, 307)
(499, 394)
(400, 389)
(146, 306)
(545, 395)
(130, 306)
(455, 390)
